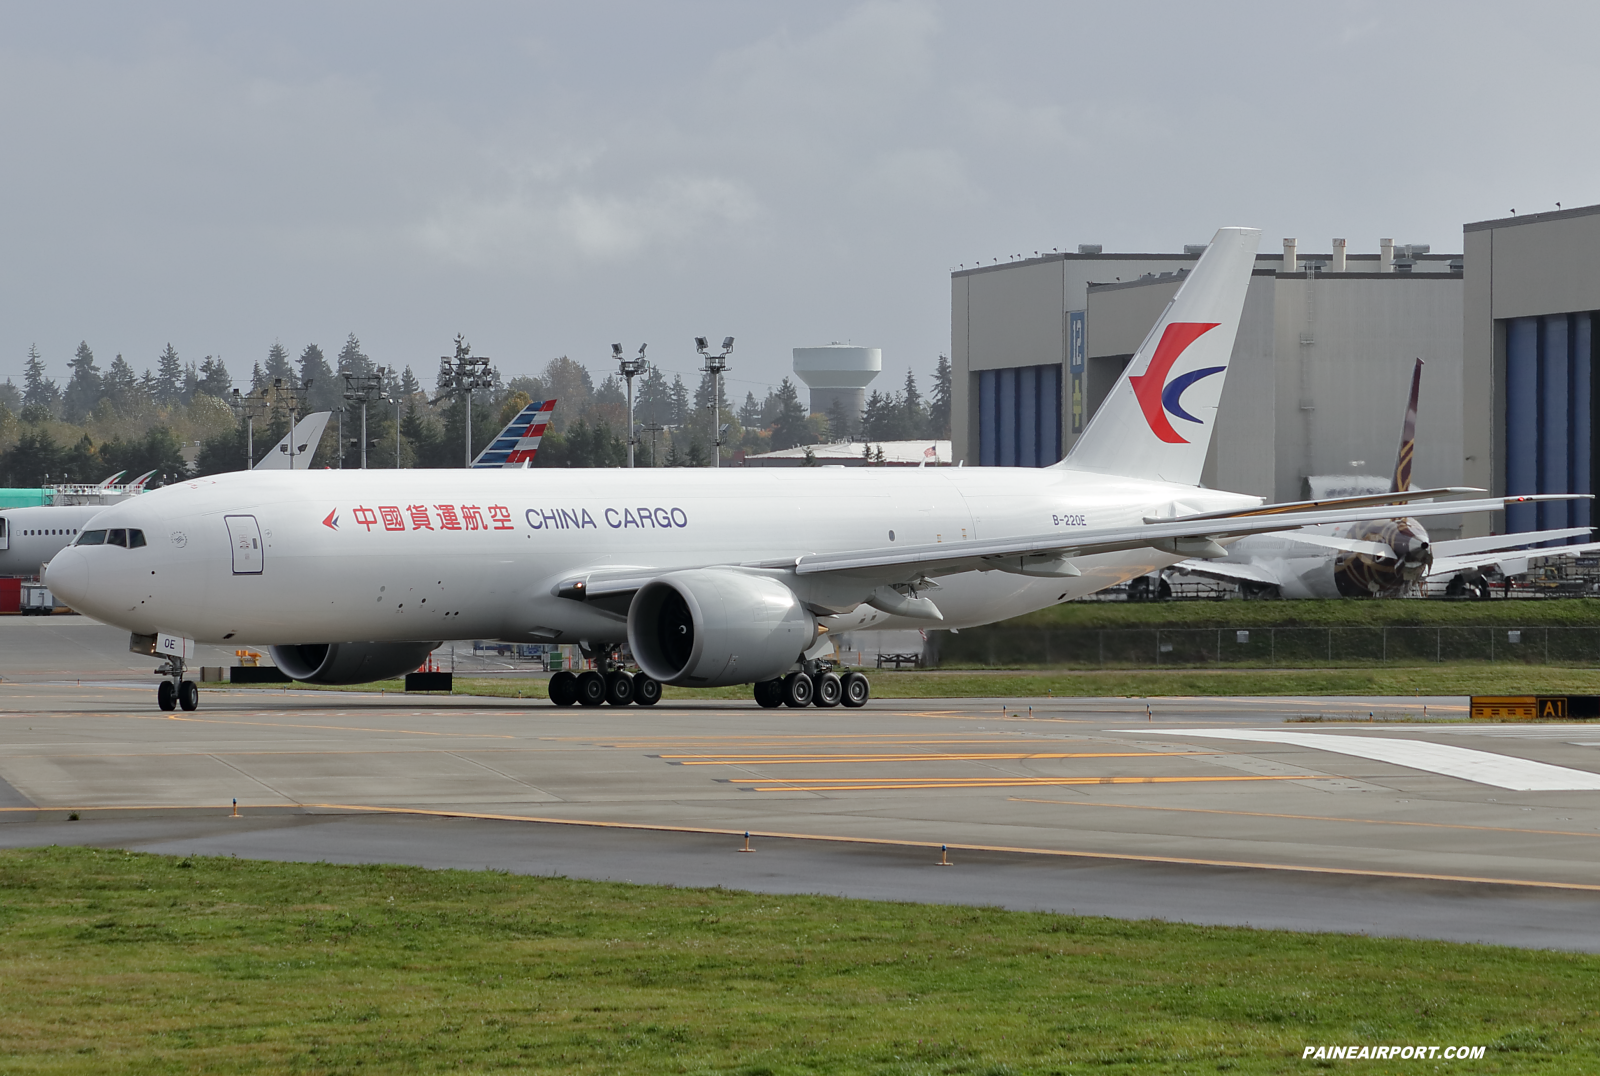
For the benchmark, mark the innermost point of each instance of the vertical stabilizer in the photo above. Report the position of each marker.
(1158, 419)
(1408, 437)
(517, 444)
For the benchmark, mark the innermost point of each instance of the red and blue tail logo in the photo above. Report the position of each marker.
(1159, 397)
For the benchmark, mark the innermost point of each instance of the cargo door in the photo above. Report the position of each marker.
(245, 536)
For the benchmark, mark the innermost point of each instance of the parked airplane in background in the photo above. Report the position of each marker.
(701, 577)
(517, 444)
(1376, 559)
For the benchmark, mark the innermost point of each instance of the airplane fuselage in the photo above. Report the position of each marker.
(331, 556)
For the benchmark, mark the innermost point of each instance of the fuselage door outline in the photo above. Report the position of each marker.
(244, 535)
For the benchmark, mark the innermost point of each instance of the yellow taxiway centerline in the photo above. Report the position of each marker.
(797, 760)
(777, 784)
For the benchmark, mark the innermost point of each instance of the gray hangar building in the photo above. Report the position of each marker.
(1317, 384)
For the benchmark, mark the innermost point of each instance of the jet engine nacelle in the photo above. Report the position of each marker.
(348, 663)
(707, 627)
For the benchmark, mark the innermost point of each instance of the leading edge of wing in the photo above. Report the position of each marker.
(1106, 540)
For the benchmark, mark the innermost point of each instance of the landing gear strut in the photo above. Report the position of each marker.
(608, 683)
(176, 692)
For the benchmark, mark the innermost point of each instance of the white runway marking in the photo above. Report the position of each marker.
(1483, 767)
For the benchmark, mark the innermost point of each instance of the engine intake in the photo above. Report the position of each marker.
(708, 627)
(348, 663)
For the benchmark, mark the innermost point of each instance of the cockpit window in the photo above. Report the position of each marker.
(92, 538)
(117, 537)
(135, 539)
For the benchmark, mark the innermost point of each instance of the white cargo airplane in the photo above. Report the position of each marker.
(702, 577)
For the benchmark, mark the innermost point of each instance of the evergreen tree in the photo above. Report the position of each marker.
(939, 400)
(10, 397)
(569, 383)
(214, 379)
(409, 385)
(326, 391)
(750, 411)
(191, 381)
(85, 387)
(654, 403)
(34, 460)
(351, 359)
(158, 450)
(82, 463)
(877, 420)
(37, 389)
(169, 378)
(122, 385)
(789, 428)
(680, 402)
(914, 421)
(278, 365)
(697, 455)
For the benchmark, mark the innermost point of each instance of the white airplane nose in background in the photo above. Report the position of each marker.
(67, 576)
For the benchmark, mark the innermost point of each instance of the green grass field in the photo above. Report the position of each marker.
(1399, 612)
(116, 962)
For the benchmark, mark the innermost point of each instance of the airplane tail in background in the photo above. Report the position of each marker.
(307, 436)
(518, 443)
(1408, 437)
(1157, 421)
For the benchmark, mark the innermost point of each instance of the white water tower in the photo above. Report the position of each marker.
(838, 372)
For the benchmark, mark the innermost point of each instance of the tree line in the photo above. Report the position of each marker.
(176, 417)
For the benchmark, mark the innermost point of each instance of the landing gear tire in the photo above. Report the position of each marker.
(797, 690)
(591, 689)
(563, 688)
(856, 690)
(167, 695)
(188, 695)
(646, 691)
(619, 689)
(827, 690)
(769, 694)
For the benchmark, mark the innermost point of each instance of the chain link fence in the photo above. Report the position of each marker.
(1135, 648)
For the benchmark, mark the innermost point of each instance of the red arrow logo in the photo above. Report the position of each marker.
(332, 520)
(1147, 387)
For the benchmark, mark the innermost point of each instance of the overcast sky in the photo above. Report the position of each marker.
(548, 179)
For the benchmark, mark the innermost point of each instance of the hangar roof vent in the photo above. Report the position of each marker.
(1089, 248)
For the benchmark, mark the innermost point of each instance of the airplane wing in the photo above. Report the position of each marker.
(1191, 535)
(1506, 561)
(1462, 546)
(307, 436)
(517, 444)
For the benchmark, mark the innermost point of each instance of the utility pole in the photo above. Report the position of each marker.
(714, 366)
(630, 369)
(653, 428)
(360, 388)
(247, 406)
(465, 372)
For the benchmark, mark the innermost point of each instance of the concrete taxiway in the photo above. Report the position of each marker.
(1205, 810)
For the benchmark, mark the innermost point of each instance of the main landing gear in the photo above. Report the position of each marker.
(610, 684)
(822, 687)
(176, 692)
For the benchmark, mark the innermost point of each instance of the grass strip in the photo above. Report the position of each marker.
(1467, 678)
(1349, 613)
(136, 963)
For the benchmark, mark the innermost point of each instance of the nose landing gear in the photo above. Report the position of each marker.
(176, 692)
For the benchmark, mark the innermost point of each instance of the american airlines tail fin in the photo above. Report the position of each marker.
(518, 443)
(1158, 419)
(307, 436)
(1408, 437)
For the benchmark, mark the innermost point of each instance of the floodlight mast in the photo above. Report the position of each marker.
(296, 398)
(714, 366)
(466, 372)
(360, 388)
(630, 369)
(247, 406)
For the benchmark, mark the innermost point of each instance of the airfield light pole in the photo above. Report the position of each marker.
(653, 428)
(715, 364)
(465, 372)
(360, 388)
(630, 369)
(297, 397)
(247, 406)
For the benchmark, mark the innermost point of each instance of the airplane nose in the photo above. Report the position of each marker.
(67, 576)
